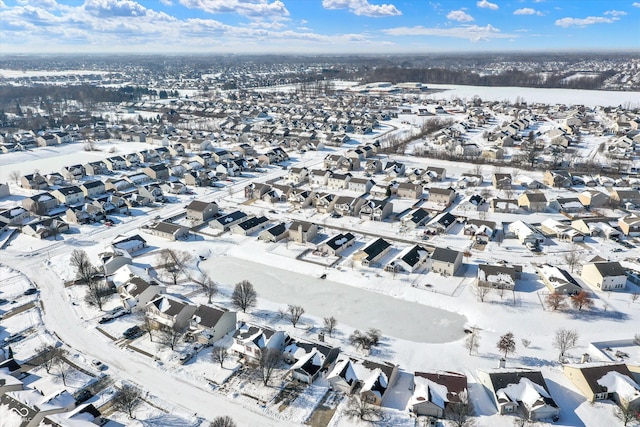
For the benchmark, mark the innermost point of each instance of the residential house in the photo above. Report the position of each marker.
(409, 259)
(152, 192)
(158, 171)
(335, 245)
(593, 198)
(275, 233)
(557, 179)
(301, 198)
(249, 341)
(29, 407)
(250, 225)
(605, 276)
(436, 173)
(211, 324)
(372, 252)
(394, 169)
(533, 201)
(34, 181)
(373, 166)
(225, 222)
(520, 390)
(376, 209)
(557, 280)
(409, 190)
(373, 379)
(256, 190)
(92, 189)
(567, 205)
(481, 231)
(131, 244)
(54, 179)
(168, 230)
(302, 231)
(319, 177)
(497, 276)
(40, 204)
(45, 228)
(4, 190)
(437, 392)
(297, 176)
(605, 381)
(348, 206)
(502, 181)
(442, 196)
(415, 218)
(324, 202)
(309, 359)
(630, 225)
(97, 167)
(503, 205)
(113, 259)
(115, 163)
(360, 185)
(526, 233)
(166, 311)
(69, 196)
(137, 292)
(201, 211)
(442, 223)
(625, 198)
(446, 261)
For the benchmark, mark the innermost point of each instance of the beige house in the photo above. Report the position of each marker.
(593, 198)
(169, 312)
(604, 382)
(409, 190)
(210, 324)
(442, 196)
(435, 392)
(302, 231)
(605, 276)
(201, 211)
(372, 252)
(630, 225)
(446, 261)
(533, 201)
(168, 230)
(137, 292)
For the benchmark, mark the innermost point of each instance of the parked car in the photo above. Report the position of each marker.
(105, 319)
(133, 332)
(3, 301)
(31, 291)
(185, 357)
(13, 338)
(83, 396)
(98, 364)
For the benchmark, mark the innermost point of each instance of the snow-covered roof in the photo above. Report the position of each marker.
(625, 387)
(525, 391)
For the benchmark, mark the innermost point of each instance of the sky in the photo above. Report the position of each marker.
(316, 26)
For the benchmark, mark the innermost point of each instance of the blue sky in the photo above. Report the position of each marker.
(316, 26)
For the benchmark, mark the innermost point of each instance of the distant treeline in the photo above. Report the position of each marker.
(46, 95)
(505, 78)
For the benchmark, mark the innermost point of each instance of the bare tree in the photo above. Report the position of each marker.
(581, 300)
(572, 257)
(460, 413)
(219, 354)
(507, 344)
(97, 294)
(294, 313)
(374, 336)
(482, 292)
(361, 409)
(173, 262)
(170, 337)
(472, 342)
(365, 340)
(127, 399)
(564, 340)
(85, 271)
(48, 356)
(330, 324)
(556, 301)
(636, 339)
(148, 327)
(627, 413)
(244, 296)
(223, 421)
(208, 286)
(269, 360)
(62, 367)
(15, 175)
(635, 296)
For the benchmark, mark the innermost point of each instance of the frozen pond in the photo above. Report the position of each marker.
(352, 306)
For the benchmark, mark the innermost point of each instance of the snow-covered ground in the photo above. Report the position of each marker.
(421, 316)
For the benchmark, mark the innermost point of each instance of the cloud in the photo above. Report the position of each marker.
(528, 11)
(473, 33)
(112, 8)
(635, 4)
(363, 8)
(166, 2)
(459, 15)
(255, 9)
(615, 12)
(583, 22)
(487, 5)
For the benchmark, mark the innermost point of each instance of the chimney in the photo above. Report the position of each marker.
(321, 337)
(503, 362)
(585, 358)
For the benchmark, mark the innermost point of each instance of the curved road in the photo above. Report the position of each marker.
(123, 364)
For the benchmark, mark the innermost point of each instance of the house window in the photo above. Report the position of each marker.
(508, 408)
(601, 396)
